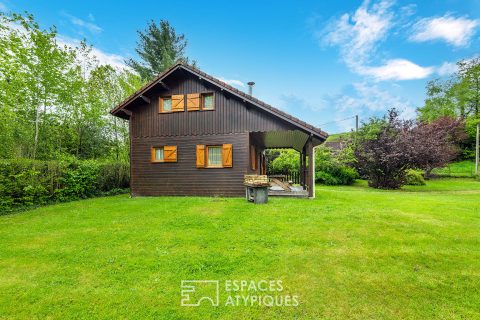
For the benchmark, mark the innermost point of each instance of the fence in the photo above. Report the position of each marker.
(293, 176)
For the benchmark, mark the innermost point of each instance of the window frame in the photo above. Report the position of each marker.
(162, 98)
(153, 152)
(202, 100)
(207, 164)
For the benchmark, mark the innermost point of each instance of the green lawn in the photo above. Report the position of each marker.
(460, 169)
(352, 253)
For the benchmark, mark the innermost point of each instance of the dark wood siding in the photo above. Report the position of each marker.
(230, 122)
(231, 115)
(183, 177)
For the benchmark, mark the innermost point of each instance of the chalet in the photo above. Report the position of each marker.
(192, 134)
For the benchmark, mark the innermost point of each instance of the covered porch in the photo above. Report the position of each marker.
(299, 140)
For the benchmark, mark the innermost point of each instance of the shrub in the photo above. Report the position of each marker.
(26, 183)
(287, 160)
(414, 177)
(332, 169)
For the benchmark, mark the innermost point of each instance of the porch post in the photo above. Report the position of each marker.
(311, 169)
(303, 169)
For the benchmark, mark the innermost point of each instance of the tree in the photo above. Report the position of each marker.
(158, 47)
(54, 99)
(383, 151)
(436, 143)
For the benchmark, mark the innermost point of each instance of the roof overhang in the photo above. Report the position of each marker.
(122, 109)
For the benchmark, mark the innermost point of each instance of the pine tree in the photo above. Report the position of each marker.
(158, 47)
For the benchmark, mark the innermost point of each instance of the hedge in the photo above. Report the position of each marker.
(25, 183)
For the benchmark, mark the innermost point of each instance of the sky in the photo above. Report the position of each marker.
(321, 61)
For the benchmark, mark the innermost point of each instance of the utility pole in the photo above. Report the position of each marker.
(476, 148)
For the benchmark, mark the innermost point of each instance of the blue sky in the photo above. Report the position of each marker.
(322, 61)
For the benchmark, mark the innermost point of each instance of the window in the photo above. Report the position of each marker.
(214, 156)
(164, 154)
(159, 154)
(207, 101)
(166, 104)
(219, 156)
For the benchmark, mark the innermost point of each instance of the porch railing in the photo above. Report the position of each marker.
(293, 176)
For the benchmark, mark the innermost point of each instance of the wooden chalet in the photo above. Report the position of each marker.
(192, 134)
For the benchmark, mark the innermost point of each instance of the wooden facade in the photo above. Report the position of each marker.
(247, 125)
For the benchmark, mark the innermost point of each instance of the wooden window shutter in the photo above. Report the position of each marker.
(170, 153)
(178, 103)
(200, 156)
(253, 158)
(227, 156)
(152, 154)
(193, 101)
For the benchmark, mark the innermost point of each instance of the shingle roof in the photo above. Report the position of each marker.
(225, 86)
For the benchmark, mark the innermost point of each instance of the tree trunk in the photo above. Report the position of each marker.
(37, 124)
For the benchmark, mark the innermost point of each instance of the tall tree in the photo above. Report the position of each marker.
(159, 47)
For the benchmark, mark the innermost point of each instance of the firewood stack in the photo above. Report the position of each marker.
(255, 180)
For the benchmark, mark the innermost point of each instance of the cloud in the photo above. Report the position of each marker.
(294, 102)
(3, 7)
(366, 100)
(232, 82)
(90, 26)
(115, 60)
(447, 68)
(396, 69)
(455, 31)
(358, 34)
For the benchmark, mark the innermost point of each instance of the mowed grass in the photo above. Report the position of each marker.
(352, 253)
(460, 169)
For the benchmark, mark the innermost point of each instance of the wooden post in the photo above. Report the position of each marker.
(476, 148)
(303, 172)
(311, 169)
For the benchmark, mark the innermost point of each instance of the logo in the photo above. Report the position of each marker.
(196, 292)
(269, 293)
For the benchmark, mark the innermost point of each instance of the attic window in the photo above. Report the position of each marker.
(207, 101)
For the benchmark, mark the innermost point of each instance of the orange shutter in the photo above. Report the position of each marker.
(200, 156)
(227, 156)
(193, 101)
(170, 153)
(178, 103)
(253, 158)
(152, 154)
(160, 104)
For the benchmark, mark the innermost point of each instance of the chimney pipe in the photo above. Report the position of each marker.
(250, 87)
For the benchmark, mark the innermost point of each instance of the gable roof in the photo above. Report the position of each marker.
(240, 94)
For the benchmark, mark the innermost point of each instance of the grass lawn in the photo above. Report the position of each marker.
(458, 169)
(352, 253)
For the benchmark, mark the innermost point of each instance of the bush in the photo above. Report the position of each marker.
(25, 183)
(414, 177)
(332, 169)
(287, 160)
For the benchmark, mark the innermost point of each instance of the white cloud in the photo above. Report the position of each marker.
(455, 31)
(232, 82)
(447, 68)
(396, 69)
(366, 101)
(90, 26)
(357, 35)
(115, 60)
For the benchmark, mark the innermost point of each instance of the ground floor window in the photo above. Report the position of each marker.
(214, 156)
(164, 154)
